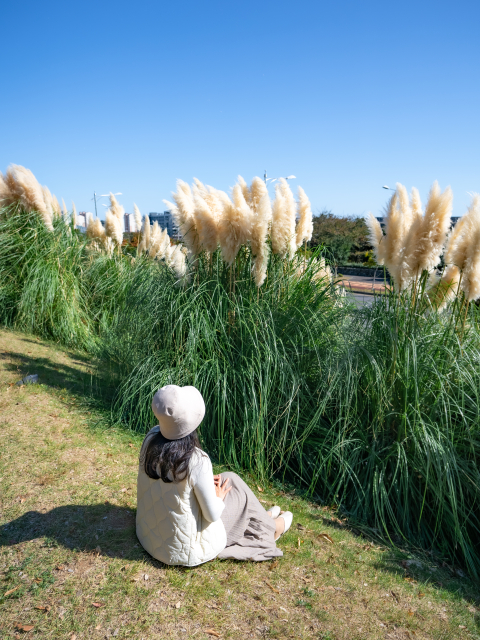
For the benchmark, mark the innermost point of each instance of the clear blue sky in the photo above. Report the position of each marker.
(348, 96)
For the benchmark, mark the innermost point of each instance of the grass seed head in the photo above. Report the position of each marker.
(304, 229)
(24, 189)
(375, 236)
(184, 215)
(137, 217)
(205, 220)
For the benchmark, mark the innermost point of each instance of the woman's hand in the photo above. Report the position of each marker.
(221, 489)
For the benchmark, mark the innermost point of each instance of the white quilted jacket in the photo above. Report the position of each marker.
(170, 524)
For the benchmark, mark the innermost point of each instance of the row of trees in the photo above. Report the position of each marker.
(345, 237)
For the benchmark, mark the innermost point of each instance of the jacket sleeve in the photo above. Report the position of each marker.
(204, 489)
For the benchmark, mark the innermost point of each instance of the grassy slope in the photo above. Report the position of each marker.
(68, 540)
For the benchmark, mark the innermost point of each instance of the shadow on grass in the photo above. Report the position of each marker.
(94, 386)
(103, 526)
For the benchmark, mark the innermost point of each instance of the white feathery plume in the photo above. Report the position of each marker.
(261, 218)
(111, 225)
(258, 189)
(178, 261)
(119, 212)
(245, 190)
(375, 236)
(234, 227)
(399, 269)
(283, 221)
(426, 238)
(471, 273)
(277, 235)
(244, 214)
(155, 240)
(163, 244)
(205, 222)
(461, 234)
(462, 253)
(25, 190)
(144, 237)
(95, 229)
(109, 245)
(5, 194)
(393, 241)
(66, 217)
(415, 204)
(57, 211)
(137, 216)
(304, 229)
(48, 199)
(199, 187)
(184, 215)
(212, 198)
(405, 209)
(290, 216)
(455, 257)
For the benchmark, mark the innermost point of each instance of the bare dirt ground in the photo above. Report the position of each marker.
(71, 566)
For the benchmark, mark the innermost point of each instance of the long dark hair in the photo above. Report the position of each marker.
(167, 456)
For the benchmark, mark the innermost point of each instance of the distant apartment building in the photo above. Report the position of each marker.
(129, 225)
(165, 221)
(82, 219)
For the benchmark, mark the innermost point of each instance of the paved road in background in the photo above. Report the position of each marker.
(360, 299)
(363, 289)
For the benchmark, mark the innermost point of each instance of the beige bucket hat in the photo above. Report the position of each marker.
(179, 410)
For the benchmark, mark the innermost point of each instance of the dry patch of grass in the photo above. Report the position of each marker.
(71, 566)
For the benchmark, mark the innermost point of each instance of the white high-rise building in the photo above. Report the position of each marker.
(129, 225)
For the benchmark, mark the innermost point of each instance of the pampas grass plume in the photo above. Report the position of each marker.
(110, 225)
(25, 190)
(145, 236)
(155, 239)
(258, 189)
(235, 225)
(137, 217)
(261, 218)
(393, 242)
(375, 236)
(184, 215)
(5, 194)
(163, 245)
(205, 222)
(290, 216)
(48, 199)
(95, 229)
(283, 221)
(304, 229)
(463, 249)
(65, 212)
(428, 233)
(57, 211)
(245, 190)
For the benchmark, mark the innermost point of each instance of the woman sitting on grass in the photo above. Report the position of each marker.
(185, 514)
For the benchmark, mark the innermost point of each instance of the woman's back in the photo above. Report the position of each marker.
(170, 522)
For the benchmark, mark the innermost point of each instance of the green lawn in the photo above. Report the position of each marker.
(71, 566)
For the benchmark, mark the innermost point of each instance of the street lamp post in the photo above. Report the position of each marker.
(388, 188)
(267, 180)
(105, 195)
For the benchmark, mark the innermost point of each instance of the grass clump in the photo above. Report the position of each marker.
(373, 410)
(67, 541)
